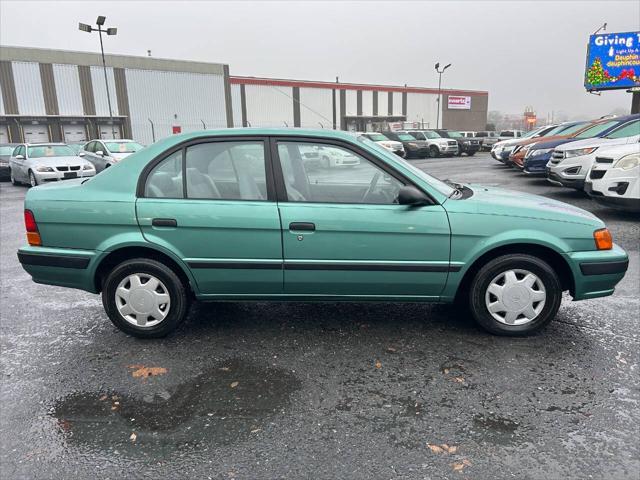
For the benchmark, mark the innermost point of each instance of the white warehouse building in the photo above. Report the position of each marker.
(55, 95)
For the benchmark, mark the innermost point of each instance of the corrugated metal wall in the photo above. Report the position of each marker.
(100, 91)
(174, 98)
(68, 89)
(316, 108)
(269, 106)
(236, 104)
(26, 76)
(421, 107)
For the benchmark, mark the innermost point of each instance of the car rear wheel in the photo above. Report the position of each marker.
(515, 295)
(32, 179)
(145, 298)
(434, 151)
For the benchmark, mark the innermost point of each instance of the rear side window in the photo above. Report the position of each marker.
(165, 180)
(227, 171)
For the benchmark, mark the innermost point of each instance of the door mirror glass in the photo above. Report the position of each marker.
(412, 196)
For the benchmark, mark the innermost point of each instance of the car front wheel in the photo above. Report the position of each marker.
(32, 179)
(145, 298)
(434, 151)
(515, 295)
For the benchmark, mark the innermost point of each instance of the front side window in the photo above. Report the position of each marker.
(596, 130)
(628, 130)
(226, 171)
(346, 178)
(165, 180)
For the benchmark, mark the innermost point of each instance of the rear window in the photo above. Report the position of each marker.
(506, 133)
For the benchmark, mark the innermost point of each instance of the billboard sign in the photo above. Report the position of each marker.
(613, 61)
(457, 102)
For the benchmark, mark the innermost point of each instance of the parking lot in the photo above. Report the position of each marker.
(295, 390)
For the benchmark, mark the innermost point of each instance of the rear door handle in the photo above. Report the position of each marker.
(164, 222)
(302, 226)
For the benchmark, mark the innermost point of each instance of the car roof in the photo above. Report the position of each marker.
(43, 144)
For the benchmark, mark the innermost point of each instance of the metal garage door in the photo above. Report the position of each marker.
(74, 133)
(35, 133)
(4, 134)
(106, 131)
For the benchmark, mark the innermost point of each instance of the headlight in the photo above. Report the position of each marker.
(538, 153)
(628, 161)
(44, 169)
(579, 152)
(87, 167)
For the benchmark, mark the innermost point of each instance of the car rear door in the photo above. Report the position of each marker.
(345, 235)
(212, 203)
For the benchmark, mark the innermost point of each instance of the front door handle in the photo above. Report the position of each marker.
(302, 227)
(164, 222)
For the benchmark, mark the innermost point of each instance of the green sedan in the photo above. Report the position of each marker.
(238, 214)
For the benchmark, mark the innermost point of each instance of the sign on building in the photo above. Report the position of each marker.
(457, 102)
(613, 61)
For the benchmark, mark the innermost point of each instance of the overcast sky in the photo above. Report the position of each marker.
(523, 53)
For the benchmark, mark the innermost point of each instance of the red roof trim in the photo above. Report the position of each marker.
(277, 82)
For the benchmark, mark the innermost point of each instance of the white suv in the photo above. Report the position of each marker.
(570, 162)
(391, 145)
(437, 145)
(614, 178)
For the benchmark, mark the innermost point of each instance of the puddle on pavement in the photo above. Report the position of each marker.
(495, 429)
(206, 410)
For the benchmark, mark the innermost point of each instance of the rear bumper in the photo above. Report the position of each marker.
(596, 273)
(63, 267)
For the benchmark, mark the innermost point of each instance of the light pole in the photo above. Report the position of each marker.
(109, 31)
(440, 72)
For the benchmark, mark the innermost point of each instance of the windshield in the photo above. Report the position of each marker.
(123, 147)
(575, 128)
(4, 150)
(50, 151)
(376, 137)
(596, 129)
(555, 131)
(628, 130)
(76, 147)
(406, 137)
(436, 183)
(454, 134)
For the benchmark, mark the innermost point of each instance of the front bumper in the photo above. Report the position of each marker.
(596, 273)
(536, 165)
(594, 190)
(44, 177)
(571, 182)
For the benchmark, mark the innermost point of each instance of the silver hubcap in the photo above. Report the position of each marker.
(142, 300)
(515, 297)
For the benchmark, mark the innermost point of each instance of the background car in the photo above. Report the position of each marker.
(510, 134)
(571, 162)
(489, 139)
(614, 178)
(502, 149)
(538, 155)
(469, 145)
(105, 153)
(413, 148)
(438, 146)
(36, 163)
(383, 141)
(76, 147)
(6, 149)
(328, 157)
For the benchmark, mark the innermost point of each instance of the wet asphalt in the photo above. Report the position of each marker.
(294, 390)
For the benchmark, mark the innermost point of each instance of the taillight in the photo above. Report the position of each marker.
(603, 239)
(33, 236)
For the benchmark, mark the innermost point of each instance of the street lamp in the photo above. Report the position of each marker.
(440, 72)
(109, 31)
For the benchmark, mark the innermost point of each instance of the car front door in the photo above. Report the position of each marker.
(344, 234)
(17, 164)
(213, 204)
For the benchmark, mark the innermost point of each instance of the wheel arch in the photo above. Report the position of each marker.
(546, 253)
(122, 253)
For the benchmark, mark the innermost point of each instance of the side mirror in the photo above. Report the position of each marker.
(412, 196)
(100, 153)
(19, 157)
(81, 154)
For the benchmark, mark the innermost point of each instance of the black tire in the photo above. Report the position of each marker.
(471, 154)
(178, 294)
(33, 181)
(493, 268)
(434, 151)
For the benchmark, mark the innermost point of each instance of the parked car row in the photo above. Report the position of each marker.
(37, 163)
(576, 154)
